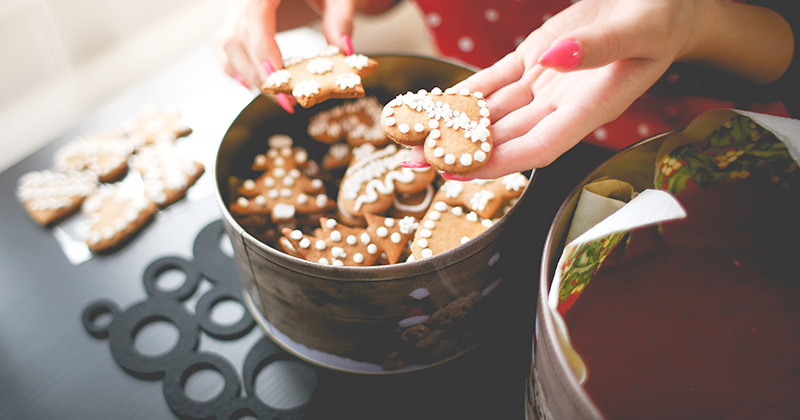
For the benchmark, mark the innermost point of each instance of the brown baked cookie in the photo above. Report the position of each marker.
(104, 153)
(445, 227)
(339, 155)
(282, 191)
(414, 205)
(49, 196)
(357, 122)
(115, 213)
(453, 127)
(166, 173)
(336, 244)
(156, 124)
(486, 197)
(373, 178)
(330, 74)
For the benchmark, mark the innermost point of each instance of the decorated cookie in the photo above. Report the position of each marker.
(339, 155)
(106, 154)
(166, 173)
(453, 127)
(414, 204)
(486, 197)
(115, 213)
(337, 244)
(331, 74)
(48, 196)
(357, 122)
(282, 191)
(445, 227)
(155, 125)
(372, 180)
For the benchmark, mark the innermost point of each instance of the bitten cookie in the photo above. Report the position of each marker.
(337, 244)
(330, 74)
(357, 122)
(453, 127)
(372, 179)
(106, 154)
(48, 196)
(154, 125)
(486, 197)
(445, 227)
(115, 213)
(166, 173)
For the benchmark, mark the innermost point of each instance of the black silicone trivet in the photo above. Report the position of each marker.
(184, 358)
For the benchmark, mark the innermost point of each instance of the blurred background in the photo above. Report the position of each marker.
(62, 59)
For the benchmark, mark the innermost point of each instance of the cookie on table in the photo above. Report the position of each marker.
(115, 212)
(49, 196)
(445, 227)
(167, 175)
(452, 126)
(486, 197)
(155, 125)
(374, 177)
(104, 153)
(330, 74)
(356, 122)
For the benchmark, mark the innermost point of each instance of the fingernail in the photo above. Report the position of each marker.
(241, 81)
(267, 67)
(563, 56)
(283, 99)
(348, 44)
(452, 177)
(415, 165)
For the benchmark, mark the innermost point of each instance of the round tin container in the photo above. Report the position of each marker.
(354, 318)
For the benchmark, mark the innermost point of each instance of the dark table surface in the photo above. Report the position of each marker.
(52, 368)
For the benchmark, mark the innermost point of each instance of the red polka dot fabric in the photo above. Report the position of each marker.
(481, 32)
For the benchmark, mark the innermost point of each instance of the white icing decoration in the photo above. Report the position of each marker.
(348, 81)
(306, 88)
(356, 61)
(319, 65)
(279, 78)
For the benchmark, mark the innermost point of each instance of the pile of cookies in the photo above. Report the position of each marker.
(87, 170)
(359, 206)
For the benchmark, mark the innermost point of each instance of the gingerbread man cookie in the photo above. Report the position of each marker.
(357, 122)
(105, 153)
(49, 196)
(372, 180)
(115, 213)
(337, 244)
(282, 191)
(453, 127)
(486, 197)
(154, 125)
(445, 227)
(166, 173)
(330, 74)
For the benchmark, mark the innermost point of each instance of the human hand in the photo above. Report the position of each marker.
(581, 69)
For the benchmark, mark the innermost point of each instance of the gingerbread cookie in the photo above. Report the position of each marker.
(337, 244)
(115, 213)
(414, 205)
(105, 153)
(155, 125)
(339, 155)
(166, 173)
(357, 122)
(48, 196)
(486, 197)
(372, 180)
(282, 191)
(453, 127)
(330, 74)
(445, 227)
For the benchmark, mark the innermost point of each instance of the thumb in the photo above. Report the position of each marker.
(337, 22)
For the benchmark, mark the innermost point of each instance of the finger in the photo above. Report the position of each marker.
(262, 49)
(337, 22)
(504, 72)
(519, 121)
(416, 159)
(237, 63)
(509, 98)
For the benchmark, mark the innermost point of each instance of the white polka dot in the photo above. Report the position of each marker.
(546, 16)
(643, 129)
(466, 44)
(601, 134)
(518, 40)
(433, 19)
(491, 15)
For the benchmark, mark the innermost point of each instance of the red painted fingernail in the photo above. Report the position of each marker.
(348, 44)
(415, 165)
(267, 67)
(563, 56)
(283, 99)
(241, 81)
(452, 177)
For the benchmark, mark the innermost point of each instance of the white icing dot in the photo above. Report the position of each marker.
(320, 245)
(249, 184)
(464, 91)
(438, 152)
(426, 253)
(419, 127)
(425, 233)
(486, 147)
(336, 236)
(390, 121)
(351, 240)
(389, 222)
(449, 159)
(440, 206)
(422, 243)
(330, 224)
(435, 134)
(296, 235)
(388, 111)
(404, 128)
(396, 237)
(479, 156)
(358, 258)
(372, 249)
(323, 261)
(434, 215)
(305, 243)
(464, 239)
(365, 238)
(382, 232)
(430, 142)
(436, 91)
(466, 159)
